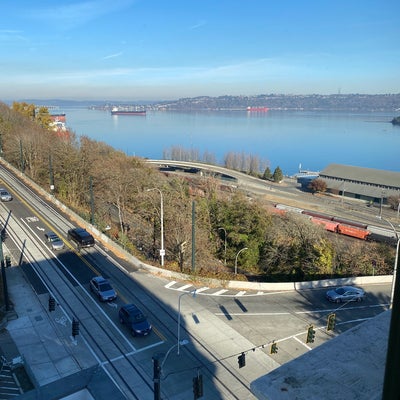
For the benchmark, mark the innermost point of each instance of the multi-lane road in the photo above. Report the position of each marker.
(216, 324)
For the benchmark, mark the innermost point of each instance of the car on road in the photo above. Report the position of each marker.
(103, 289)
(134, 319)
(54, 241)
(81, 237)
(343, 294)
(5, 195)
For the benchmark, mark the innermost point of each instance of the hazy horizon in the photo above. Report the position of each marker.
(131, 50)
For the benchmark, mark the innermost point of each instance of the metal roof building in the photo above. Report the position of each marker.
(361, 183)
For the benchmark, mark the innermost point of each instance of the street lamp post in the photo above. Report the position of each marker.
(245, 248)
(224, 244)
(157, 368)
(162, 250)
(395, 261)
(193, 293)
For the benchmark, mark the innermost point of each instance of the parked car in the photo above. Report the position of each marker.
(102, 288)
(5, 195)
(81, 237)
(343, 294)
(54, 241)
(134, 319)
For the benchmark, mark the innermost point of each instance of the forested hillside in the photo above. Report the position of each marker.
(111, 190)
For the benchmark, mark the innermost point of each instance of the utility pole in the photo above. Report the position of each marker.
(91, 202)
(193, 237)
(51, 174)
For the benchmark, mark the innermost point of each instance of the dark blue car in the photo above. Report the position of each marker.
(135, 320)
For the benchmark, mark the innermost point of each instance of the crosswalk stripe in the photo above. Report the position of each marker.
(220, 292)
(168, 285)
(241, 293)
(202, 289)
(184, 287)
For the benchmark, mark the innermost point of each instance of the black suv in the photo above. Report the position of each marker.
(134, 319)
(81, 237)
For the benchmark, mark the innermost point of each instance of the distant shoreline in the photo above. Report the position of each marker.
(311, 102)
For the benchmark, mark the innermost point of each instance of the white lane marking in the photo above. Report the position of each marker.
(219, 292)
(183, 288)
(202, 289)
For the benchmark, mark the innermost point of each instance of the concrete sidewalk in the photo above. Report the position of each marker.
(57, 365)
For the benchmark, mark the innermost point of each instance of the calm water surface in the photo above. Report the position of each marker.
(283, 138)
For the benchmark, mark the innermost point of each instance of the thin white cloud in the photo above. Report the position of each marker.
(11, 35)
(198, 25)
(112, 56)
(66, 16)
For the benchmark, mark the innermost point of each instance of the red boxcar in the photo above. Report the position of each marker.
(353, 231)
(328, 225)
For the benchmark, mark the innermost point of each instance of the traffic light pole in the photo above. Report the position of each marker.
(3, 269)
(391, 384)
(157, 375)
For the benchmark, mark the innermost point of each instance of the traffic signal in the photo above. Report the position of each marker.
(310, 334)
(242, 360)
(8, 261)
(52, 303)
(331, 322)
(198, 387)
(274, 348)
(75, 327)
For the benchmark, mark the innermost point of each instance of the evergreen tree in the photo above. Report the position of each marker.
(277, 175)
(267, 174)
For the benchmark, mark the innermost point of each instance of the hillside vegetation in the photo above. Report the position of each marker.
(111, 190)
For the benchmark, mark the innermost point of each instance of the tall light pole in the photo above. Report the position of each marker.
(157, 368)
(245, 248)
(223, 229)
(395, 261)
(193, 293)
(162, 250)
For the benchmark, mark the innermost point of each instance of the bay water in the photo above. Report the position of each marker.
(289, 139)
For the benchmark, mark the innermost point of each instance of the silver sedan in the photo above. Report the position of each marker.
(54, 241)
(343, 294)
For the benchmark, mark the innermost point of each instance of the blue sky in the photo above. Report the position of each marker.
(168, 49)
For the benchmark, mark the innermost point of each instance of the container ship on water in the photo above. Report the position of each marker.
(257, 109)
(126, 111)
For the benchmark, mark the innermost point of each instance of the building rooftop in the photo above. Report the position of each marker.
(349, 366)
(359, 174)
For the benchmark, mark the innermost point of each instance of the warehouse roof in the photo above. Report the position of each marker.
(376, 177)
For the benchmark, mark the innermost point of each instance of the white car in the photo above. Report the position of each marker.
(4, 195)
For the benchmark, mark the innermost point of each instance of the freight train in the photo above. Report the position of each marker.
(342, 226)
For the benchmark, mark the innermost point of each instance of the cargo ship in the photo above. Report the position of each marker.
(58, 117)
(257, 109)
(125, 111)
